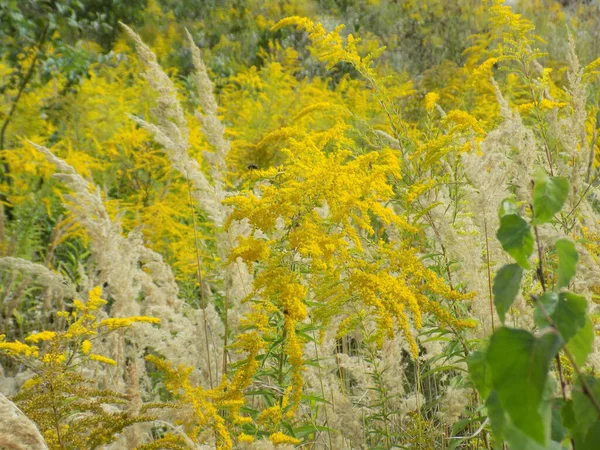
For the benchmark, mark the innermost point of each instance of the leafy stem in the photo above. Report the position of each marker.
(584, 384)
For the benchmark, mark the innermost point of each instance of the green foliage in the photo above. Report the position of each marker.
(514, 372)
(567, 262)
(567, 313)
(515, 236)
(581, 345)
(357, 270)
(519, 364)
(549, 195)
(507, 284)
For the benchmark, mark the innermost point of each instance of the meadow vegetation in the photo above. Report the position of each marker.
(333, 224)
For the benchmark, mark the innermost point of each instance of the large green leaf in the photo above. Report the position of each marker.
(515, 236)
(549, 195)
(582, 344)
(479, 372)
(567, 261)
(506, 287)
(519, 364)
(503, 428)
(498, 419)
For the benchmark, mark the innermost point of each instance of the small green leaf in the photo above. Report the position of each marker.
(567, 261)
(549, 195)
(515, 236)
(519, 364)
(582, 344)
(479, 372)
(508, 206)
(506, 287)
(567, 311)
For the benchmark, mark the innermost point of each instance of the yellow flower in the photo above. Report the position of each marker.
(430, 100)
(103, 359)
(484, 71)
(121, 322)
(419, 188)
(78, 304)
(272, 414)
(525, 108)
(463, 119)
(280, 438)
(86, 347)
(42, 336)
(54, 358)
(243, 437)
(18, 348)
(95, 301)
(250, 249)
(549, 104)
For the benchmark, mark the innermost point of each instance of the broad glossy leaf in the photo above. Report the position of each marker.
(567, 261)
(519, 364)
(549, 195)
(515, 236)
(507, 283)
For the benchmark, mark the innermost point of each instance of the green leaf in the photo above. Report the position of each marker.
(548, 300)
(497, 416)
(508, 206)
(592, 438)
(558, 430)
(515, 236)
(567, 261)
(549, 195)
(581, 417)
(569, 315)
(519, 363)
(567, 311)
(504, 430)
(479, 372)
(506, 287)
(582, 344)
(306, 430)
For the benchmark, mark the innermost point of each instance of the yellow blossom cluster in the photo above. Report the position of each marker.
(113, 323)
(330, 48)
(204, 403)
(82, 326)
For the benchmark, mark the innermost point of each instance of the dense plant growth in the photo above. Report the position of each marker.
(238, 224)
